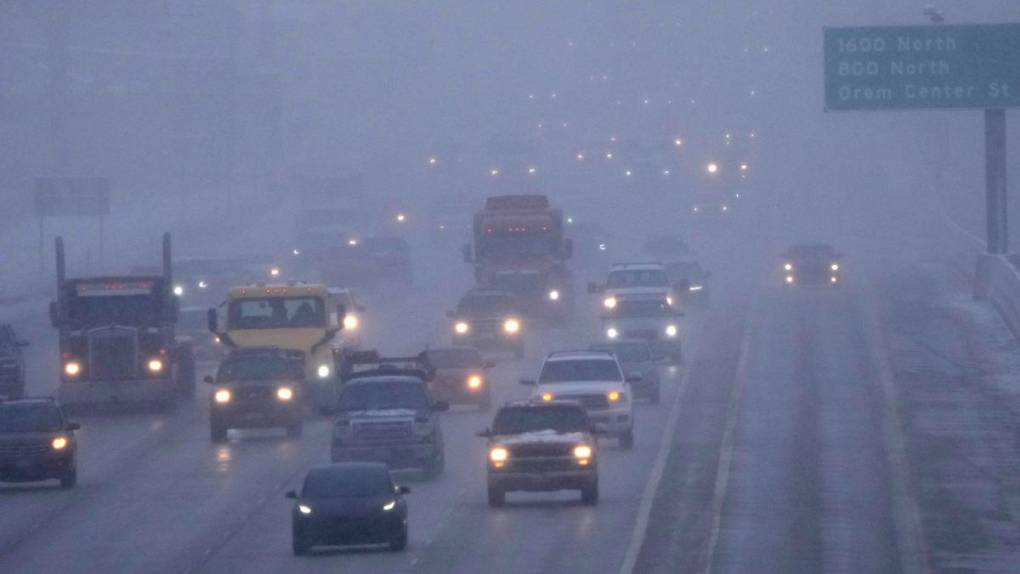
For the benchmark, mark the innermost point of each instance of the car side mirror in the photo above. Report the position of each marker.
(208, 379)
(440, 406)
(290, 494)
(403, 489)
(71, 427)
(529, 382)
(484, 433)
(490, 364)
(213, 320)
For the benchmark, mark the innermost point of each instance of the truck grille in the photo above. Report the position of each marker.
(543, 464)
(8, 371)
(641, 334)
(589, 402)
(540, 450)
(23, 448)
(113, 353)
(255, 393)
(485, 326)
(382, 430)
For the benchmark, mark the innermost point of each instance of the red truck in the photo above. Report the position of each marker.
(520, 247)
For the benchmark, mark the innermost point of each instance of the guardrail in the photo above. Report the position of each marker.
(998, 282)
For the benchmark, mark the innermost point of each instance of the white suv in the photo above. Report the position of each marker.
(595, 380)
(627, 279)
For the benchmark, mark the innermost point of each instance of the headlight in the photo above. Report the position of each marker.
(59, 443)
(788, 266)
(547, 397)
(350, 322)
(323, 371)
(612, 333)
(669, 301)
(582, 451)
(671, 331)
(614, 396)
(222, 396)
(303, 509)
(512, 326)
(155, 365)
(285, 393)
(498, 454)
(178, 290)
(72, 368)
(834, 267)
(203, 284)
(834, 279)
(474, 382)
(554, 295)
(789, 278)
(274, 272)
(216, 339)
(389, 505)
(609, 302)
(461, 328)
(695, 287)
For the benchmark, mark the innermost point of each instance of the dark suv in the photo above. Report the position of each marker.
(12, 363)
(37, 442)
(543, 446)
(257, 388)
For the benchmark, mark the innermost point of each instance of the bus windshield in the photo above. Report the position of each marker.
(277, 313)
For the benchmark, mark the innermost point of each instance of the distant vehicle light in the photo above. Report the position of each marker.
(474, 382)
(554, 295)
(179, 290)
(203, 285)
(834, 267)
(352, 242)
(461, 328)
(401, 218)
(671, 331)
(582, 451)
(725, 208)
(614, 396)
(602, 246)
(323, 371)
(512, 326)
(389, 505)
(498, 454)
(222, 396)
(712, 168)
(155, 365)
(669, 301)
(72, 368)
(303, 509)
(834, 279)
(789, 279)
(612, 333)
(59, 443)
(609, 302)
(285, 393)
(547, 397)
(695, 287)
(275, 271)
(351, 322)
(788, 266)
(296, 252)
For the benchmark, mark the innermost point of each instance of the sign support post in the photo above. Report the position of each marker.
(995, 181)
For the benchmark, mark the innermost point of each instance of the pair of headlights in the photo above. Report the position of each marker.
(510, 327)
(498, 455)
(611, 396)
(387, 506)
(224, 396)
(670, 331)
(73, 368)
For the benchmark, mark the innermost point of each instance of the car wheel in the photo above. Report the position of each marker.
(294, 430)
(217, 433)
(69, 479)
(298, 544)
(590, 493)
(626, 439)
(399, 542)
(497, 496)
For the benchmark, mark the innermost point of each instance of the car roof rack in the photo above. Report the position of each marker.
(369, 364)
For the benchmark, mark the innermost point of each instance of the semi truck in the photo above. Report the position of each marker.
(118, 341)
(519, 245)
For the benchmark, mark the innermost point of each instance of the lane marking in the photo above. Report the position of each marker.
(722, 473)
(915, 556)
(640, 530)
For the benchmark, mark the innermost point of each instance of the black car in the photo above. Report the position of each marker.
(12, 363)
(811, 264)
(489, 319)
(354, 503)
(257, 388)
(460, 376)
(691, 280)
(37, 442)
(543, 446)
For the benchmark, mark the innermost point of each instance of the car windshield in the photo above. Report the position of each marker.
(30, 418)
(259, 368)
(561, 419)
(627, 352)
(455, 358)
(518, 282)
(637, 278)
(507, 246)
(136, 310)
(380, 395)
(811, 252)
(353, 482)
(482, 305)
(277, 313)
(643, 308)
(580, 370)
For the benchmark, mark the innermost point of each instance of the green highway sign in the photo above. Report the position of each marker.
(918, 67)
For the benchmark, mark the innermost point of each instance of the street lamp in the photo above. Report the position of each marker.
(712, 168)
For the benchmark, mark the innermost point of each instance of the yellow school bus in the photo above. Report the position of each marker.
(297, 316)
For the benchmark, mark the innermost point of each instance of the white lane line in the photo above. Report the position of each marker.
(722, 473)
(652, 486)
(910, 540)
